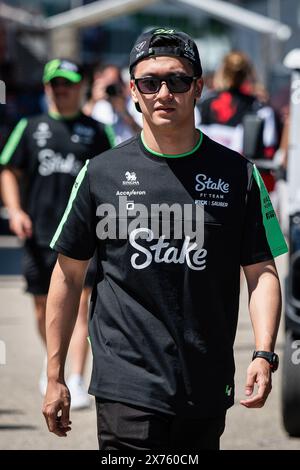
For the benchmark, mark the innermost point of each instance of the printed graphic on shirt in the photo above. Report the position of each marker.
(83, 134)
(131, 179)
(275, 237)
(42, 134)
(212, 192)
(224, 107)
(52, 162)
(161, 251)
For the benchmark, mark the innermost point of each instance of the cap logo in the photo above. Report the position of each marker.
(164, 31)
(189, 50)
(140, 46)
(68, 66)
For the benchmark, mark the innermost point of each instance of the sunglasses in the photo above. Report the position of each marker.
(56, 82)
(175, 83)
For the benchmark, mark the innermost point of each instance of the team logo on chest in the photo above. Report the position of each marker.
(212, 191)
(206, 182)
(131, 179)
(42, 134)
(82, 134)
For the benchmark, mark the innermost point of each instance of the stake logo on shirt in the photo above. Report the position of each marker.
(163, 225)
(161, 251)
(205, 182)
(213, 192)
(53, 162)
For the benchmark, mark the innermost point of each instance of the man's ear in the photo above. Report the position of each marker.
(199, 87)
(133, 91)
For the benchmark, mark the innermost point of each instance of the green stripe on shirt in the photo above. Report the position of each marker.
(76, 186)
(111, 135)
(274, 235)
(13, 141)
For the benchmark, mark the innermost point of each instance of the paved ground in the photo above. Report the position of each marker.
(22, 425)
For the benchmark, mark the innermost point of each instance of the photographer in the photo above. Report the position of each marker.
(109, 104)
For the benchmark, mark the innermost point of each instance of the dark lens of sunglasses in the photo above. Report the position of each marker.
(149, 85)
(175, 84)
(179, 84)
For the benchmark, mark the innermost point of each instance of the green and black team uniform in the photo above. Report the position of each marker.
(163, 318)
(50, 151)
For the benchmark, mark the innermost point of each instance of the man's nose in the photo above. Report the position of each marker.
(164, 90)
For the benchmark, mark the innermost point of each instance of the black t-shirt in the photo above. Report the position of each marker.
(163, 318)
(50, 151)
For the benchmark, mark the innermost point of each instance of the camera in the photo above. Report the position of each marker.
(115, 89)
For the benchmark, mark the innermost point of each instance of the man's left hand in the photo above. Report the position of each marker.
(259, 372)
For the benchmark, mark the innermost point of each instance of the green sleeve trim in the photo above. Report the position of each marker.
(111, 135)
(13, 141)
(76, 186)
(274, 235)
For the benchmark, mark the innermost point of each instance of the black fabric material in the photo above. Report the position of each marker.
(38, 263)
(162, 331)
(123, 427)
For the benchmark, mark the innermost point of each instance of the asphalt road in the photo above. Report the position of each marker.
(22, 425)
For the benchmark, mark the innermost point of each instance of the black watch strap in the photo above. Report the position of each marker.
(271, 357)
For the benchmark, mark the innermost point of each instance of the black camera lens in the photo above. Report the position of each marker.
(115, 89)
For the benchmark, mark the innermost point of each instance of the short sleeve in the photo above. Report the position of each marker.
(14, 151)
(262, 237)
(75, 236)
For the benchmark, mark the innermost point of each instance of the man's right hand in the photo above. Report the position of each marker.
(20, 223)
(56, 408)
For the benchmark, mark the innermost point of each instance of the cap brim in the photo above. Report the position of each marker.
(73, 77)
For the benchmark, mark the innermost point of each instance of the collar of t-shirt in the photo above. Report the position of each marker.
(161, 156)
(60, 117)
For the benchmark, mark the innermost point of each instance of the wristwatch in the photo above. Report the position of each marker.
(271, 357)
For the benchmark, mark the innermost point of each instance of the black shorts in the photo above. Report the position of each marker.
(126, 427)
(38, 263)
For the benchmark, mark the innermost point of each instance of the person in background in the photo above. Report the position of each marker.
(237, 114)
(40, 162)
(109, 104)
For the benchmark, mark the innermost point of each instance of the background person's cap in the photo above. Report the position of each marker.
(62, 68)
(187, 48)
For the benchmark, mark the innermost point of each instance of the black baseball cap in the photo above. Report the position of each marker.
(186, 48)
(62, 68)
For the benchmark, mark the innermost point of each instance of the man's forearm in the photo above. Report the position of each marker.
(10, 190)
(265, 308)
(62, 308)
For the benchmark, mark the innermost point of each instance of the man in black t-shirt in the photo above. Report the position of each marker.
(40, 162)
(172, 215)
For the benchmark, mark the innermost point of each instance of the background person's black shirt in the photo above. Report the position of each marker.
(50, 151)
(162, 331)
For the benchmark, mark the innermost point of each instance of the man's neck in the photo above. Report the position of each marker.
(170, 142)
(62, 112)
